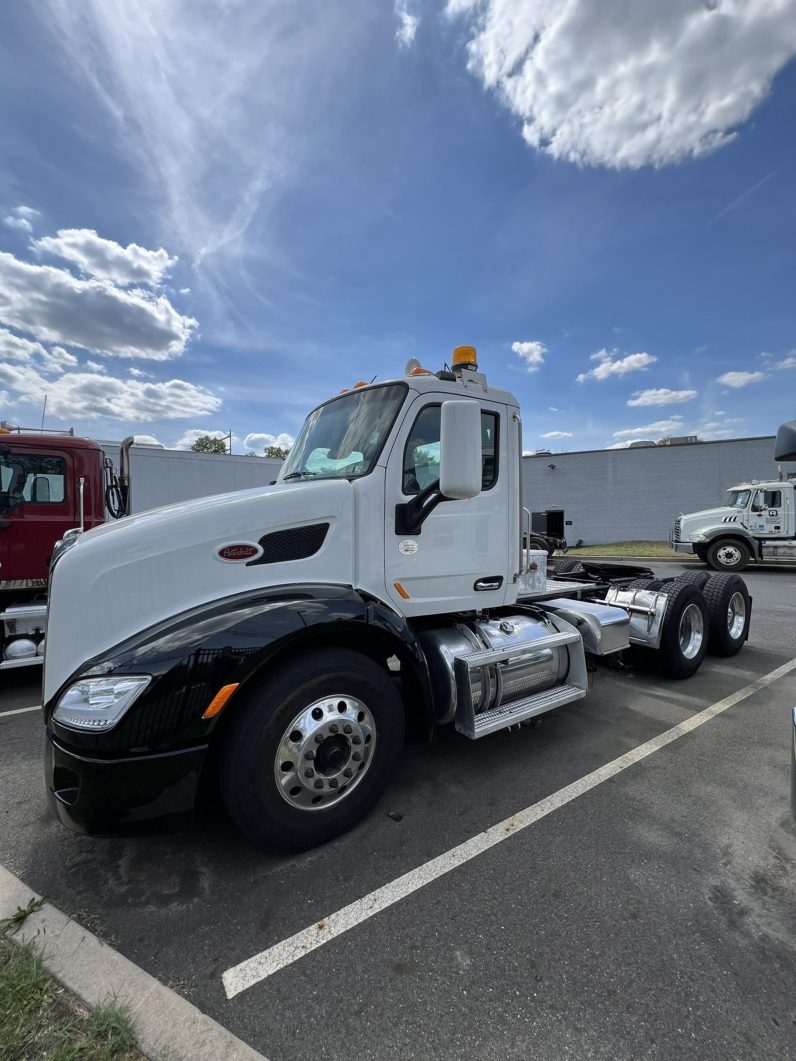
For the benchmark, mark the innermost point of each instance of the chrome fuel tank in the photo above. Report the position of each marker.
(528, 669)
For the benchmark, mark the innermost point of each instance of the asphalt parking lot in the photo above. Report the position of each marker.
(652, 916)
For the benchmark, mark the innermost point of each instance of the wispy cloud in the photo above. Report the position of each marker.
(610, 364)
(408, 23)
(743, 197)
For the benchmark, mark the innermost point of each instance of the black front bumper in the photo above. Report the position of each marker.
(112, 796)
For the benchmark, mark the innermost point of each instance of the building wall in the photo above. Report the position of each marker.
(635, 494)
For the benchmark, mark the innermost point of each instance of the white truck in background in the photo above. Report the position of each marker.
(758, 523)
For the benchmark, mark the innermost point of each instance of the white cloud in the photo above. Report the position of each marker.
(659, 427)
(210, 138)
(740, 379)
(138, 373)
(408, 23)
(610, 365)
(660, 396)
(106, 260)
(788, 362)
(258, 441)
(190, 435)
(619, 445)
(556, 434)
(94, 395)
(147, 440)
(628, 85)
(15, 348)
(55, 306)
(531, 352)
(21, 217)
(553, 409)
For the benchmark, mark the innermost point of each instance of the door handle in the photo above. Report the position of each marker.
(490, 582)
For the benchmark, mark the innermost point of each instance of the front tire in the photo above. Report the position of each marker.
(311, 749)
(727, 554)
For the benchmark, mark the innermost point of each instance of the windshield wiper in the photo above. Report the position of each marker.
(297, 475)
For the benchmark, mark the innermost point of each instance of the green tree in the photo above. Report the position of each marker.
(277, 452)
(208, 444)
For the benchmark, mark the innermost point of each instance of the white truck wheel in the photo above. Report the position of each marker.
(728, 554)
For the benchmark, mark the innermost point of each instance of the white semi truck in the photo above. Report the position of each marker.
(280, 638)
(758, 522)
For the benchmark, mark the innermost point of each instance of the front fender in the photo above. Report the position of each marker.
(730, 531)
(191, 656)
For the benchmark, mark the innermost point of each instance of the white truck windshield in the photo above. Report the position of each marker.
(739, 498)
(343, 438)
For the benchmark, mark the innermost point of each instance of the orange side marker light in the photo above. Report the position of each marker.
(218, 703)
(401, 591)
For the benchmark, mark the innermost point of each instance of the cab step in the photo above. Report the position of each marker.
(517, 711)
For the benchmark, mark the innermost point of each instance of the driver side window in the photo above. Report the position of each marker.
(421, 453)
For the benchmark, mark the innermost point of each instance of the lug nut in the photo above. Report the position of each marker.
(333, 728)
(356, 756)
(309, 773)
(348, 772)
(310, 755)
(348, 729)
(356, 740)
(333, 782)
(319, 783)
(319, 738)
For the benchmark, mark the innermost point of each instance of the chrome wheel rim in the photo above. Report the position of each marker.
(325, 752)
(692, 631)
(728, 555)
(736, 615)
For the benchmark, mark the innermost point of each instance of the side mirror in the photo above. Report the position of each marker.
(460, 449)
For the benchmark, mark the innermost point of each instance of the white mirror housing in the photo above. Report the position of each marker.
(460, 449)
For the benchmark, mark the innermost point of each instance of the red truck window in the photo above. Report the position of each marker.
(32, 478)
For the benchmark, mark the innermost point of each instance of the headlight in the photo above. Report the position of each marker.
(98, 703)
(697, 538)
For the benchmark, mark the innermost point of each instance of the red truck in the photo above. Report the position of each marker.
(53, 485)
(50, 484)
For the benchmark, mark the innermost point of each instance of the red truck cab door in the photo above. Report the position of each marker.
(39, 499)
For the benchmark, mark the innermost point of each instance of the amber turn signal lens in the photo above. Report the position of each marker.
(218, 703)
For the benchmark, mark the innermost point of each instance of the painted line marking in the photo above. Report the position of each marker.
(259, 967)
(20, 711)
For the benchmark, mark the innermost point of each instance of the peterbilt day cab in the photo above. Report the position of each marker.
(758, 522)
(282, 638)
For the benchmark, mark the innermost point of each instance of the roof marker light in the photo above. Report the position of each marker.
(465, 357)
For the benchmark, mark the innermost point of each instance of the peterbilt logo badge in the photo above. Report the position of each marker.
(238, 552)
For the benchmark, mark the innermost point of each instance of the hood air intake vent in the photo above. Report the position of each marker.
(295, 544)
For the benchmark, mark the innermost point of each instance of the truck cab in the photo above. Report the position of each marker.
(758, 522)
(49, 484)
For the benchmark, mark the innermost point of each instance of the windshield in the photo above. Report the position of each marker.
(739, 498)
(343, 438)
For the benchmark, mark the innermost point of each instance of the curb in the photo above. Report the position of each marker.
(167, 1026)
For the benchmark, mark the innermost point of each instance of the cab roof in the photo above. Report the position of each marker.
(47, 442)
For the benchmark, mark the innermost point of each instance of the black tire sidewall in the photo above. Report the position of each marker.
(671, 660)
(718, 592)
(713, 550)
(247, 780)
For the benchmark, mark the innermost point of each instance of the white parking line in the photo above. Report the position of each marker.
(20, 711)
(266, 963)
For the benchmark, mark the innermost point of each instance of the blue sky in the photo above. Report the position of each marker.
(215, 215)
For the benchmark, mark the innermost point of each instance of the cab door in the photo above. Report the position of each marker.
(458, 559)
(39, 508)
(769, 518)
